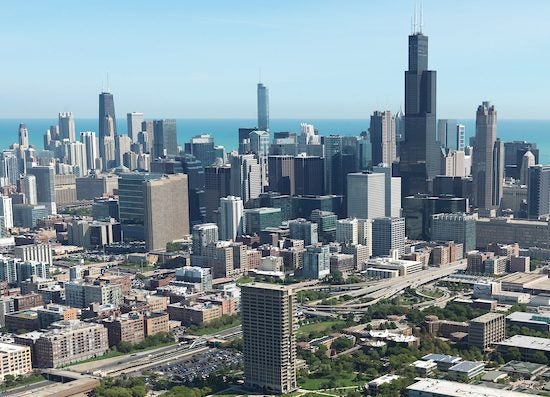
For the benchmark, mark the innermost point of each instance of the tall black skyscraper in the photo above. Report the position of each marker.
(106, 111)
(420, 151)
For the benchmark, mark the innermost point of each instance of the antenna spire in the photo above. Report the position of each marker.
(421, 19)
(108, 85)
(415, 25)
(260, 75)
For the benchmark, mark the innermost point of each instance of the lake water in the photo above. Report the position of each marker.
(224, 131)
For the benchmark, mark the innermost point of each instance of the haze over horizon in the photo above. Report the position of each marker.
(318, 58)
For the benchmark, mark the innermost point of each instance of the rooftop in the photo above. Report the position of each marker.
(533, 318)
(527, 342)
(441, 358)
(522, 367)
(467, 366)
(456, 389)
(11, 348)
(523, 278)
(424, 364)
(485, 318)
(383, 380)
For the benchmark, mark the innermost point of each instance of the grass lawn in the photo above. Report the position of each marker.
(22, 381)
(434, 293)
(322, 383)
(137, 266)
(115, 353)
(318, 327)
(205, 330)
(244, 280)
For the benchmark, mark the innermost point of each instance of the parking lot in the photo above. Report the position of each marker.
(202, 365)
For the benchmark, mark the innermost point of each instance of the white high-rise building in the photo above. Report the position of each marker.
(347, 231)
(76, 156)
(364, 234)
(6, 211)
(89, 139)
(455, 163)
(366, 196)
(392, 191)
(245, 177)
(528, 160)
(66, 126)
(28, 187)
(122, 144)
(203, 234)
(134, 120)
(230, 217)
(109, 160)
(383, 137)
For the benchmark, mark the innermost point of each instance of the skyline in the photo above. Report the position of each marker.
(213, 71)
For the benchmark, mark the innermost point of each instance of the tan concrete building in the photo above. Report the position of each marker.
(219, 257)
(15, 360)
(486, 330)
(166, 210)
(70, 341)
(128, 328)
(268, 322)
(155, 323)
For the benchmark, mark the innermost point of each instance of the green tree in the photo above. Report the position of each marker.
(539, 357)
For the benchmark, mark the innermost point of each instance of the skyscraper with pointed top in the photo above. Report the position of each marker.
(106, 117)
(419, 152)
(263, 107)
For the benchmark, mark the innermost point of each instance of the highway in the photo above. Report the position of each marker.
(138, 362)
(378, 290)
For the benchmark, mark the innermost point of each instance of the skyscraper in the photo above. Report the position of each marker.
(538, 191)
(89, 140)
(23, 136)
(230, 217)
(6, 211)
(122, 146)
(382, 138)
(388, 234)
(45, 186)
(309, 175)
(301, 229)
(245, 177)
(28, 187)
(166, 210)
(281, 174)
(263, 107)
(419, 162)
(165, 140)
(76, 156)
(527, 161)
(268, 321)
(217, 184)
(202, 147)
(366, 195)
(203, 234)
(66, 126)
(134, 121)
(392, 187)
(10, 168)
(488, 159)
(259, 145)
(106, 116)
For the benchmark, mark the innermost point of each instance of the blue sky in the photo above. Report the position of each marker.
(320, 58)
